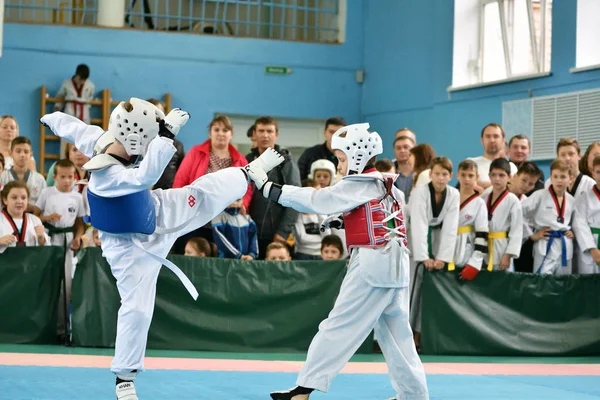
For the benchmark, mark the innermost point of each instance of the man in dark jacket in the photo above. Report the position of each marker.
(168, 176)
(321, 151)
(274, 222)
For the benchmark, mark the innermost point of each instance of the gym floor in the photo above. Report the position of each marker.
(58, 373)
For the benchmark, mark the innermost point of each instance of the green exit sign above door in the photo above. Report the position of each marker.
(277, 70)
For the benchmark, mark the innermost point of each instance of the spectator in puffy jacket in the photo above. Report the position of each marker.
(213, 155)
(235, 234)
(274, 221)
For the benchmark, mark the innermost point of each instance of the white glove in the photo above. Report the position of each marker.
(175, 119)
(257, 169)
(333, 222)
(256, 174)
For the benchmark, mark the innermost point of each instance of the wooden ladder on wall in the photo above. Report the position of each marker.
(106, 106)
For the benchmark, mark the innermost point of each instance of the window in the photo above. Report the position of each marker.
(588, 32)
(318, 21)
(496, 40)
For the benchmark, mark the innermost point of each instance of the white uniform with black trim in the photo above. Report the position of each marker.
(433, 224)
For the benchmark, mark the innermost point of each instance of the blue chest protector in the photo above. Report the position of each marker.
(132, 213)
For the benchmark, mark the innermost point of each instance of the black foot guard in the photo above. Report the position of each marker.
(290, 393)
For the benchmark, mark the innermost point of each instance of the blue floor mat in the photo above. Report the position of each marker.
(51, 383)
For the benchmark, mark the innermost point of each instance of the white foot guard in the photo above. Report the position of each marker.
(295, 393)
(126, 391)
(257, 169)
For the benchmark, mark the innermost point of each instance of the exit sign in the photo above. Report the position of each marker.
(277, 70)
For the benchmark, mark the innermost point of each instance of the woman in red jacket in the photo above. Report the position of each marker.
(214, 154)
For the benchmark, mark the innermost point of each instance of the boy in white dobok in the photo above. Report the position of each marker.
(471, 243)
(586, 225)
(569, 152)
(433, 210)
(374, 293)
(138, 226)
(549, 212)
(505, 219)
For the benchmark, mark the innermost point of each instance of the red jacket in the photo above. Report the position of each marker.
(195, 164)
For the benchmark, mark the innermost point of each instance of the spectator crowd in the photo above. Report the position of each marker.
(503, 215)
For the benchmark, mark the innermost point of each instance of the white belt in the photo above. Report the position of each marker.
(182, 277)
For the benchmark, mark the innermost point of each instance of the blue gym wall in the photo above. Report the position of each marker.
(404, 46)
(408, 67)
(204, 74)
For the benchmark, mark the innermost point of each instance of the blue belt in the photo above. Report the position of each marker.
(553, 235)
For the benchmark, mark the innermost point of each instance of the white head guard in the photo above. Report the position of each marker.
(136, 128)
(358, 144)
(322, 164)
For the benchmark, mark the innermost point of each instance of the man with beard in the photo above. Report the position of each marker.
(493, 141)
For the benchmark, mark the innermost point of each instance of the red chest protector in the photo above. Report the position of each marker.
(370, 225)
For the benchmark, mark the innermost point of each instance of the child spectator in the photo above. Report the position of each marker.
(550, 212)
(306, 232)
(385, 166)
(525, 179)
(61, 209)
(332, 248)
(235, 233)
(78, 159)
(505, 219)
(586, 224)
(472, 233)
(277, 251)
(17, 227)
(322, 171)
(77, 93)
(197, 247)
(433, 210)
(523, 182)
(569, 152)
(20, 149)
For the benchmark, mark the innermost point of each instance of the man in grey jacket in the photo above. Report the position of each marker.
(274, 222)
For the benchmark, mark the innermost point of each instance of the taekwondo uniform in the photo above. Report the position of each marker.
(433, 232)
(137, 226)
(586, 225)
(374, 293)
(505, 224)
(472, 225)
(541, 209)
(76, 99)
(23, 229)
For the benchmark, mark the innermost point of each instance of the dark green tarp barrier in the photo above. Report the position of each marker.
(30, 283)
(511, 314)
(242, 307)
